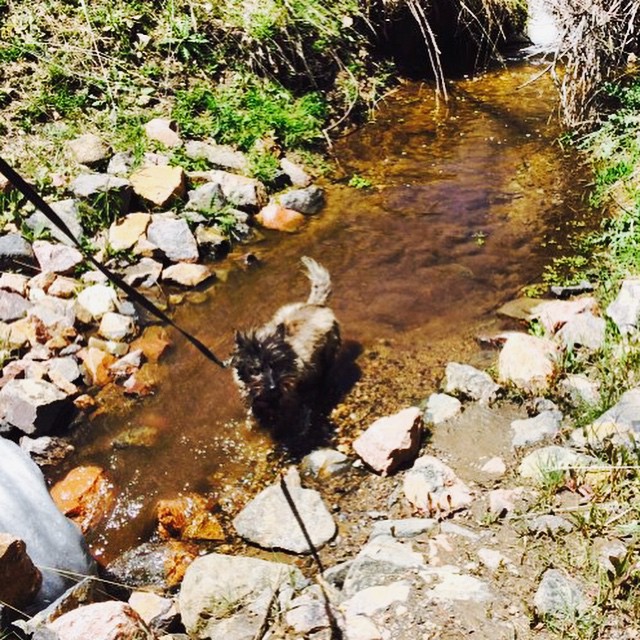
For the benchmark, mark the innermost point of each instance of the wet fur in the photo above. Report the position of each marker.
(279, 365)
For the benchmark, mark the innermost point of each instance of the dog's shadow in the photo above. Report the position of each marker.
(314, 428)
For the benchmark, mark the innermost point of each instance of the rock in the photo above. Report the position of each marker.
(278, 218)
(187, 275)
(544, 425)
(39, 285)
(470, 382)
(90, 150)
(269, 521)
(528, 362)
(440, 408)
(377, 599)
(115, 326)
(625, 309)
(103, 621)
(495, 466)
(154, 342)
(405, 528)
(94, 301)
(559, 596)
(63, 287)
(14, 282)
(127, 364)
(34, 407)
(539, 463)
(27, 512)
(124, 233)
(188, 518)
(18, 334)
(159, 186)
(56, 258)
(136, 436)
(145, 273)
(65, 367)
(232, 596)
(579, 389)
(69, 212)
(207, 197)
(298, 176)
(163, 131)
(92, 186)
(312, 612)
(156, 611)
(13, 306)
(549, 524)
(85, 495)
(121, 164)
(142, 382)
(584, 330)
(20, 580)
(220, 155)
(5, 185)
(503, 501)
(612, 556)
(46, 450)
(519, 309)
(96, 365)
(434, 489)
(238, 190)
(390, 441)
(553, 314)
(212, 242)
(308, 201)
(453, 586)
(153, 565)
(15, 251)
(573, 290)
(174, 238)
(57, 315)
(117, 349)
(492, 559)
(325, 463)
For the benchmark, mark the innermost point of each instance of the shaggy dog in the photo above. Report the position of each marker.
(279, 365)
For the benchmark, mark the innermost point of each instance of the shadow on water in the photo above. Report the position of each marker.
(469, 203)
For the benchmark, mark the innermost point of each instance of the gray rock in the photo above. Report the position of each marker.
(584, 330)
(13, 306)
(471, 382)
(34, 407)
(174, 238)
(612, 555)
(28, 512)
(519, 309)
(308, 613)
(55, 313)
(68, 211)
(121, 164)
(269, 522)
(212, 242)
(440, 408)
(145, 273)
(46, 450)
(298, 176)
(308, 201)
(15, 251)
(405, 528)
(540, 462)
(219, 155)
(232, 596)
(325, 463)
(14, 282)
(625, 309)
(549, 524)
(544, 425)
(238, 190)
(66, 367)
(115, 326)
(56, 258)
(207, 197)
(90, 150)
(572, 290)
(97, 186)
(559, 596)
(579, 389)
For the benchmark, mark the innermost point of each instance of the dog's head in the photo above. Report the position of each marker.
(265, 366)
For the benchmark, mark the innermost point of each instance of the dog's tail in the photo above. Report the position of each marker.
(320, 282)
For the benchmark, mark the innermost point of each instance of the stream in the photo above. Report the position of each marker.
(469, 201)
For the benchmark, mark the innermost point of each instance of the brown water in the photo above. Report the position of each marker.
(469, 203)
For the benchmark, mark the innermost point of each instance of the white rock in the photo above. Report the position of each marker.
(471, 382)
(115, 326)
(530, 430)
(440, 408)
(94, 301)
(528, 362)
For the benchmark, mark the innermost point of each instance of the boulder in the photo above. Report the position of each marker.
(56, 258)
(96, 363)
(625, 309)
(13, 306)
(207, 197)
(188, 517)
(308, 201)
(163, 131)
(390, 441)
(90, 150)
(145, 273)
(65, 288)
(173, 237)
(15, 282)
(212, 242)
(325, 463)
(69, 212)
(159, 186)
(219, 155)
(279, 218)
(433, 488)
(56, 314)
(470, 382)
(157, 612)
(186, 274)
(28, 512)
(528, 362)
(238, 190)
(15, 251)
(124, 233)
(121, 164)
(519, 309)
(102, 621)
(20, 580)
(268, 520)
(35, 407)
(232, 596)
(85, 495)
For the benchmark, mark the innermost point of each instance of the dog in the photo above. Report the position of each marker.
(279, 366)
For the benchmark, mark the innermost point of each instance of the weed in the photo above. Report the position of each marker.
(359, 182)
(264, 166)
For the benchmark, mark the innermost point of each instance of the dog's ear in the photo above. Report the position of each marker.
(240, 339)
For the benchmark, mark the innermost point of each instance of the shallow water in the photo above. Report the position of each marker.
(469, 202)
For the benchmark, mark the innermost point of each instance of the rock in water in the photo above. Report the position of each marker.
(21, 580)
(28, 512)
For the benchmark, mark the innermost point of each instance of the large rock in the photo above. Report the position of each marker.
(553, 314)
(559, 596)
(28, 512)
(101, 621)
(625, 309)
(145, 273)
(115, 326)
(268, 520)
(20, 579)
(308, 201)
(94, 301)
(15, 282)
(124, 233)
(56, 258)
(325, 463)
(34, 407)
(207, 197)
(584, 330)
(390, 441)
(528, 362)
(69, 212)
(232, 596)
(275, 216)
(15, 251)
(13, 306)
(85, 495)
(90, 150)
(440, 408)
(530, 430)
(470, 382)
(298, 176)
(220, 155)
(187, 274)
(238, 190)
(174, 238)
(158, 185)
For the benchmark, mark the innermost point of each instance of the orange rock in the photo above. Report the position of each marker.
(178, 557)
(143, 382)
(188, 518)
(275, 216)
(84, 495)
(20, 580)
(96, 363)
(154, 341)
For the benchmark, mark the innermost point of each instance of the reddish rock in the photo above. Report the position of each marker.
(102, 621)
(84, 495)
(391, 440)
(528, 362)
(188, 518)
(96, 364)
(154, 341)
(276, 217)
(20, 580)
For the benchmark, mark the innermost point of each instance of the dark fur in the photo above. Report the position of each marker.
(279, 365)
